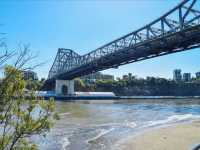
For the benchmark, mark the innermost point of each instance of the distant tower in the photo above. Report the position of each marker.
(177, 76)
(197, 74)
(186, 77)
(27, 75)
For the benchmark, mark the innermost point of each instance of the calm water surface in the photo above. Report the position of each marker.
(100, 125)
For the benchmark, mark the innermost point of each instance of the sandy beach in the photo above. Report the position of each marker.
(177, 137)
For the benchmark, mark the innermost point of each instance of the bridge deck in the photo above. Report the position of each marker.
(165, 35)
(171, 43)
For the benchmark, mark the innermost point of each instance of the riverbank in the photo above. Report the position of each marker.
(177, 137)
(113, 97)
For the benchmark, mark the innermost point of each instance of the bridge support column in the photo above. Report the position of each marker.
(64, 87)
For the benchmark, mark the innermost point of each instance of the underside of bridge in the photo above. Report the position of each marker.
(175, 31)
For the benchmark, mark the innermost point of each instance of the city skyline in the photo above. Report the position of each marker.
(84, 26)
(193, 74)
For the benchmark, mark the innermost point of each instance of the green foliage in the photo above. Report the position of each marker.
(33, 84)
(22, 115)
(79, 85)
(150, 86)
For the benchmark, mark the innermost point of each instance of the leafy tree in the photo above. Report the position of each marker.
(42, 80)
(152, 86)
(33, 84)
(79, 85)
(21, 116)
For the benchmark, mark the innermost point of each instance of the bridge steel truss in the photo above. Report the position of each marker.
(177, 30)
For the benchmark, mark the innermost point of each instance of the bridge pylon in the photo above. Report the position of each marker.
(64, 87)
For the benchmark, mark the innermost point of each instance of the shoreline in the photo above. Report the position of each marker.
(117, 98)
(179, 136)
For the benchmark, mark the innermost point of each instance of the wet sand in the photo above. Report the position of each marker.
(176, 137)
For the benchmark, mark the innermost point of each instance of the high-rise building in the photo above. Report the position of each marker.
(197, 74)
(29, 75)
(186, 77)
(177, 76)
(125, 77)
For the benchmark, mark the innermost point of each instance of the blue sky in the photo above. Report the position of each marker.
(86, 25)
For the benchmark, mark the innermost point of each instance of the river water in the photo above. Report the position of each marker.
(100, 125)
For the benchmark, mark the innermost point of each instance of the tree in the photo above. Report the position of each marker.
(21, 116)
(79, 85)
(33, 84)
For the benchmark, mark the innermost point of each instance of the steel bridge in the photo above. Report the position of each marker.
(175, 31)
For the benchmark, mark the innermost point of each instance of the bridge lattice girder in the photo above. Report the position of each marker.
(177, 30)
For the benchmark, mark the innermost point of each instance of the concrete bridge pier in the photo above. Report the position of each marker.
(64, 87)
